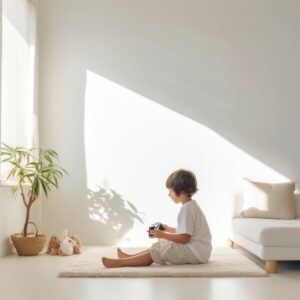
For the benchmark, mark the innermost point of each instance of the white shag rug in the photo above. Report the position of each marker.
(224, 262)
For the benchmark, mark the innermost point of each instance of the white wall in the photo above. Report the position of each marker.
(132, 90)
(12, 214)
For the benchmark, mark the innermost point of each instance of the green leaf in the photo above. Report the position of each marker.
(30, 180)
(6, 159)
(59, 173)
(36, 166)
(3, 153)
(53, 153)
(30, 174)
(36, 186)
(7, 147)
(12, 173)
(17, 165)
(14, 190)
(44, 186)
(56, 181)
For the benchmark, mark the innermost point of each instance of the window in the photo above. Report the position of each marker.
(18, 80)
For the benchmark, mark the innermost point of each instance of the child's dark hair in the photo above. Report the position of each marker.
(182, 181)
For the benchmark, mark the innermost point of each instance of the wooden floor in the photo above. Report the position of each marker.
(35, 278)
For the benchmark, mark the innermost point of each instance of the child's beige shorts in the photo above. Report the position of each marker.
(165, 251)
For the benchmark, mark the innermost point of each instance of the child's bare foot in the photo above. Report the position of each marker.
(110, 262)
(122, 254)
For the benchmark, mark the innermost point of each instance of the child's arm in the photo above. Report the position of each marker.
(182, 238)
(169, 229)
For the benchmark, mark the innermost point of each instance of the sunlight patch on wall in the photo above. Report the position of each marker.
(132, 144)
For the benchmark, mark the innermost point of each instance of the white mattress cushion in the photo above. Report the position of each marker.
(269, 232)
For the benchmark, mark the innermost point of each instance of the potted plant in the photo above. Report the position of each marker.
(35, 171)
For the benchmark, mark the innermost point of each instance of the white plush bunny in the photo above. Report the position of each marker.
(67, 244)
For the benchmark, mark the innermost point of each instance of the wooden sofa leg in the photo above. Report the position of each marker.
(271, 266)
(231, 243)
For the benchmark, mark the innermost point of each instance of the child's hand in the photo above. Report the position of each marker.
(156, 233)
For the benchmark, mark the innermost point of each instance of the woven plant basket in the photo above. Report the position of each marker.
(29, 245)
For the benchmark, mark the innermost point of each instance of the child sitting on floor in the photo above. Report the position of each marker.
(189, 243)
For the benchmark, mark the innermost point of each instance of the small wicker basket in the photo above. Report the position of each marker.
(30, 245)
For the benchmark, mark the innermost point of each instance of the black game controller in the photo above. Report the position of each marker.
(157, 226)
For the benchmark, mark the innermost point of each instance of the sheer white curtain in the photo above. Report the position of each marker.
(18, 94)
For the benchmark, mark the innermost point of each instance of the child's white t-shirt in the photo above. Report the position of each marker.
(191, 220)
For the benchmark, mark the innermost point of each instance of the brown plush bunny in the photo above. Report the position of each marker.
(77, 247)
(54, 244)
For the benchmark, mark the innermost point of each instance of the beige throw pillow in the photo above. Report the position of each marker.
(268, 200)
